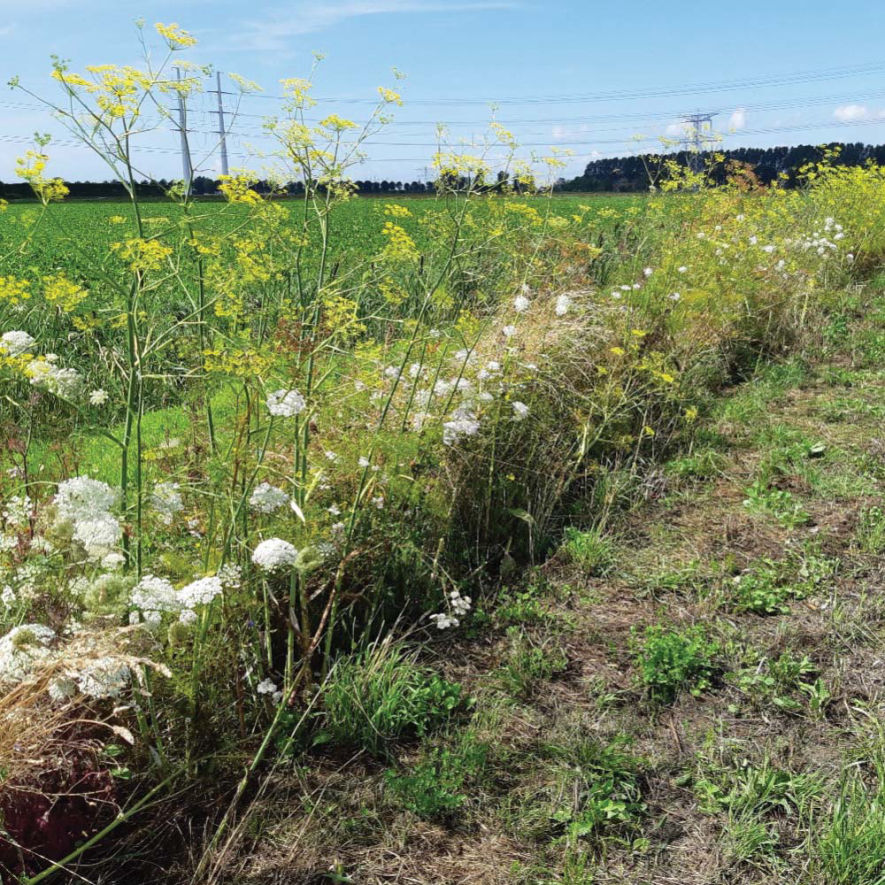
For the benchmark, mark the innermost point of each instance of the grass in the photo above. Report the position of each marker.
(750, 635)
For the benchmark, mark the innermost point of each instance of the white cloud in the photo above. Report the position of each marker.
(852, 113)
(738, 119)
(316, 15)
(677, 130)
(562, 132)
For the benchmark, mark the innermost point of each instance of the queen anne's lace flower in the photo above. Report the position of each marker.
(520, 410)
(463, 423)
(22, 648)
(16, 343)
(200, 592)
(285, 403)
(269, 687)
(274, 554)
(98, 397)
(86, 503)
(166, 501)
(64, 383)
(84, 498)
(99, 535)
(153, 596)
(267, 498)
(563, 303)
(521, 304)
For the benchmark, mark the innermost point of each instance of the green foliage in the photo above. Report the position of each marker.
(599, 786)
(382, 694)
(530, 662)
(434, 788)
(870, 533)
(779, 503)
(591, 549)
(673, 659)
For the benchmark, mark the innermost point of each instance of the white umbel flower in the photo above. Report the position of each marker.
(267, 498)
(22, 648)
(16, 342)
(563, 303)
(153, 596)
(98, 397)
(520, 410)
(274, 554)
(200, 592)
(84, 498)
(285, 403)
(166, 501)
(521, 304)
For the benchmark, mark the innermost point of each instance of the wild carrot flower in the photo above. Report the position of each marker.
(285, 403)
(563, 303)
(520, 410)
(274, 554)
(267, 498)
(16, 342)
(166, 501)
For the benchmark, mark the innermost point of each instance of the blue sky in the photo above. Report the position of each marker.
(552, 66)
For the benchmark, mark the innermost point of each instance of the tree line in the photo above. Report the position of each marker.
(611, 175)
(635, 174)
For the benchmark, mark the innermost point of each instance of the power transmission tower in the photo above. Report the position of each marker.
(222, 132)
(696, 138)
(186, 165)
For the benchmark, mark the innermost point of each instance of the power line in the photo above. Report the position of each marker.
(625, 94)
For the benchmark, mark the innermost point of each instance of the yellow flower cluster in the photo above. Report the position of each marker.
(62, 292)
(13, 290)
(30, 168)
(175, 36)
(141, 254)
(236, 189)
(400, 246)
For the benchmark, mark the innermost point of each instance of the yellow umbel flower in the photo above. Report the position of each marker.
(175, 37)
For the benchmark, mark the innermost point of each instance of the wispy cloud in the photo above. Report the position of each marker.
(738, 120)
(857, 113)
(278, 28)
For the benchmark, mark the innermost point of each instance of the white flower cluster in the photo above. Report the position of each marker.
(22, 648)
(17, 511)
(269, 687)
(16, 342)
(274, 554)
(462, 423)
(166, 501)
(153, 597)
(200, 592)
(460, 606)
(285, 403)
(86, 503)
(230, 575)
(563, 305)
(267, 498)
(64, 383)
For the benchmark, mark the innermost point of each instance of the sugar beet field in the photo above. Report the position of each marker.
(480, 538)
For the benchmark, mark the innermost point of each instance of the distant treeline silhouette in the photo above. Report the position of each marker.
(201, 187)
(633, 174)
(616, 174)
